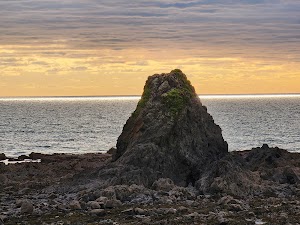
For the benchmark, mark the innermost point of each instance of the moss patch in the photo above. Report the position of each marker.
(186, 84)
(177, 71)
(175, 100)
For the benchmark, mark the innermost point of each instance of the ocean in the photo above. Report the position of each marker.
(93, 124)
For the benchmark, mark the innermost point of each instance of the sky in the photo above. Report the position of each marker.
(95, 47)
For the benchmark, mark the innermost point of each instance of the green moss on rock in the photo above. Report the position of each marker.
(175, 100)
(177, 71)
(186, 84)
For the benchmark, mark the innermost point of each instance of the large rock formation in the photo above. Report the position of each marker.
(169, 135)
(261, 171)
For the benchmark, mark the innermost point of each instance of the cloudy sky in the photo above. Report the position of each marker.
(95, 47)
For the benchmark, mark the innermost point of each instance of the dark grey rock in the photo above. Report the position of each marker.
(102, 201)
(112, 151)
(75, 205)
(2, 156)
(98, 212)
(192, 215)
(139, 211)
(3, 180)
(94, 205)
(169, 135)
(129, 211)
(163, 184)
(113, 203)
(27, 207)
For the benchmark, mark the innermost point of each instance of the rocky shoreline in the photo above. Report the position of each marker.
(61, 190)
(171, 166)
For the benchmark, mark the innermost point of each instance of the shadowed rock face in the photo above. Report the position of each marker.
(170, 134)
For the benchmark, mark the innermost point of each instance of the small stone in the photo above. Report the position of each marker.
(52, 196)
(2, 219)
(163, 184)
(171, 211)
(252, 214)
(23, 157)
(129, 211)
(61, 207)
(142, 217)
(19, 202)
(165, 200)
(165, 211)
(25, 191)
(75, 205)
(192, 215)
(139, 211)
(102, 199)
(98, 212)
(221, 219)
(113, 204)
(189, 202)
(183, 209)
(109, 192)
(225, 200)
(2, 156)
(94, 205)
(235, 207)
(26, 207)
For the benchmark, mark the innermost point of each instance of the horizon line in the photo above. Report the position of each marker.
(131, 97)
(79, 96)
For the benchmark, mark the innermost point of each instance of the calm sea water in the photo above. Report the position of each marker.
(93, 124)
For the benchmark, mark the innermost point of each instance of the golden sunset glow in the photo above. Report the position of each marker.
(93, 54)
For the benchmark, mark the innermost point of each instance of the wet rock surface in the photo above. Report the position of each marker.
(140, 205)
(171, 166)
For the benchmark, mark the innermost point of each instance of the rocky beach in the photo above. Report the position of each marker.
(171, 165)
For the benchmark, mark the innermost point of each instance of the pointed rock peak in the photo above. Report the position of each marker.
(163, 83)
(171, 90)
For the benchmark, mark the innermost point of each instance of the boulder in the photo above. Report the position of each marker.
(229, 175)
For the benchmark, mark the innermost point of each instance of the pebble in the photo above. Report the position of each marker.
(94, 205)
(192, 215)
(129, 211)
(19, 202)
(113, 203)
(139, 211)
(27, 207)
(75, 205)
(98, 212)
(183, 209)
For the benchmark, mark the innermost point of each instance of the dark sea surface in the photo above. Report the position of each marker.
(93, 124)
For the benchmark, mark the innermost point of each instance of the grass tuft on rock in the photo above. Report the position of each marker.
(175, 100)
(187, 87)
